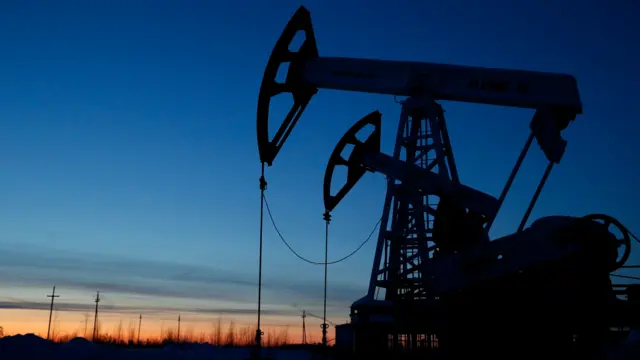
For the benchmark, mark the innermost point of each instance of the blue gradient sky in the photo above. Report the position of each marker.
(130, 165)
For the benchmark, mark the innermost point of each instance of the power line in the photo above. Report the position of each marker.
(284, 241)
(52, 296)
(310, 314)
(275, 227)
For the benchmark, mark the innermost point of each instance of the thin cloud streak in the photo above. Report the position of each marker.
(71, 307)
(43, 267)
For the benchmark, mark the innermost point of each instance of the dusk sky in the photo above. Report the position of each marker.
(130, 165)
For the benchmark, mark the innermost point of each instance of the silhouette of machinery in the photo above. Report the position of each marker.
(438, 283)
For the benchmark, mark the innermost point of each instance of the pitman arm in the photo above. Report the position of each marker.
(366, 156)
(424, 179)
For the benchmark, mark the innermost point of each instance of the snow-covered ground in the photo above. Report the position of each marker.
(32, 347)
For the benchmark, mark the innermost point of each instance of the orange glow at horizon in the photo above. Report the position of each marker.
(192, 325)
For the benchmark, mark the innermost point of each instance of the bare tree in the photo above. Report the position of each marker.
(188, 335)
(131, 332)
(55, 331)
(231, 335)
(284, 336)
(119, 332)
(218, 334)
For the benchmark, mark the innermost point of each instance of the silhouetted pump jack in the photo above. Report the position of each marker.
(438, 283)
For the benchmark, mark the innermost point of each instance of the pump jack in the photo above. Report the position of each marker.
(441, 276)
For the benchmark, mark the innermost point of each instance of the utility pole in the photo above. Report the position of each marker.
(52, 296)
(95, 318)
(304, 327)
(139, 327)
(178, 340)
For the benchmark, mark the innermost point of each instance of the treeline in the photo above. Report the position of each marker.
(231, 336)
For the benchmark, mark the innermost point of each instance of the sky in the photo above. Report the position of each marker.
(128, 147)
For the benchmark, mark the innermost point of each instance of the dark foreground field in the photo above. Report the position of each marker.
(32, 347)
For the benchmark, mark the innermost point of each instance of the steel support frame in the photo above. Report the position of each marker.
(404, 241)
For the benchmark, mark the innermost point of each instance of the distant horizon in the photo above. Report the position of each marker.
(131, 287)
(66, 323)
